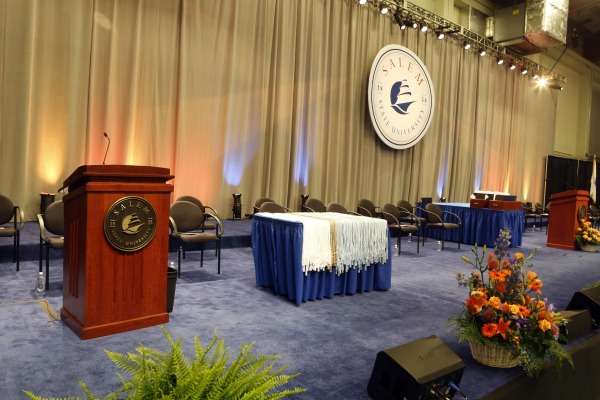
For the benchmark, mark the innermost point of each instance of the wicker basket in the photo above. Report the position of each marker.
(493, 356)
(589, 247)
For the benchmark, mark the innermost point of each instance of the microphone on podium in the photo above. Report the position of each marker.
(107, 147)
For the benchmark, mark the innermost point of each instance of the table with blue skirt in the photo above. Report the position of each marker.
(480, 225)
(277, 247)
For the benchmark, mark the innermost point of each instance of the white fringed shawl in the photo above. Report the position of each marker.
(341, 240)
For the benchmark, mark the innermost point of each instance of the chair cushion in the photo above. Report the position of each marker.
(409, 228)
(445, 225)
(56, 242)
(198, 237)
(7, 231)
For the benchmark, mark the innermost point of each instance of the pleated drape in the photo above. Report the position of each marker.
(259, 97)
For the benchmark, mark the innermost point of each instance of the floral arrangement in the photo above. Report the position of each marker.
(586, 234)
(505, 308)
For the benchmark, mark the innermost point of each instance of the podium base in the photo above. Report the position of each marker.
(92, 332)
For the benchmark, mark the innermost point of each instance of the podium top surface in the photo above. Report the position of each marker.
(116, 173)
(570, 193)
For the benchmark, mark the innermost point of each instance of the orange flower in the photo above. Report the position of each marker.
(536, 285)
(503, 327)
(497, 276)
(544, 325)
(495, 302)
(500, 287)
(514, 309)
(489, 330)
(492, 262)
(531, 276)
(524, 311)
(519, 256)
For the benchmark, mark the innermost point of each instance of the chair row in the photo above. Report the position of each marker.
(190, 221)
(402, 218)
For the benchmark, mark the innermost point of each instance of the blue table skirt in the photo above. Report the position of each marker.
(277, 250)
(481, 225)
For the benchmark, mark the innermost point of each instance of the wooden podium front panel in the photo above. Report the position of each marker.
(107, 290)
(563, 220)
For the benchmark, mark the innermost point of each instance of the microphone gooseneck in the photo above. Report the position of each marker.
(107, 147)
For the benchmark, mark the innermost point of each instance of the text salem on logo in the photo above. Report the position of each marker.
(400, 97)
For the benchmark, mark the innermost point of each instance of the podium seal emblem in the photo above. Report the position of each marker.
(130, 224)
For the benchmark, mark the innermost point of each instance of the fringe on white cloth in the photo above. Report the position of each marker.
(358, 241)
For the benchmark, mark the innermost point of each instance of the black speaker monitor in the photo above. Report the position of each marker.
(588, 299)
(422, 369)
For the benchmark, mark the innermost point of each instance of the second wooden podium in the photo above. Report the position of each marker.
(566, 210)
(116, 249)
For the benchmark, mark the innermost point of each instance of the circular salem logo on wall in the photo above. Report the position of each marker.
(400, 97)
(130, 223)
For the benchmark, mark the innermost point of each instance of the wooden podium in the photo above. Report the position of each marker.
(564, 218)
(116, 249)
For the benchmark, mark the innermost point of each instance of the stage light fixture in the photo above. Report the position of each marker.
(482, 52)
(536, 75)
(424, 27)
(362, 2)
(414, 25)
(399, 21)
(511, 66)
(440, 34)
(524, 71)
(466, 45)
(500, 61)
(237, 206)
(384, 8)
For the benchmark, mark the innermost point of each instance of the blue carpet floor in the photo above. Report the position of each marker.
(332, 343)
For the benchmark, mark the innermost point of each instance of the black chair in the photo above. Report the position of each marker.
(594, 215)
(52, 230)
(408, 213)
(435, 220)
(392, 215)
(8, 212)
(260, 202)
(367, 208)
(315, 205)
(338, 208)
(528, 213)
(542, 213)
(272, 207)
(185, 220)
(208, 224)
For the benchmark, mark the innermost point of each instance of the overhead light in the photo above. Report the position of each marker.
(440, 34)
(384, 9)
(399, 21)
(482, 52)
(500, 60)
(362, 1)
(466, 45)
(414, 25)
(524, 71)
(424, 27)
(511, 66)
(536, 75)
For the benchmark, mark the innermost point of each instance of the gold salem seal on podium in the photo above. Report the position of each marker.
(130, 223)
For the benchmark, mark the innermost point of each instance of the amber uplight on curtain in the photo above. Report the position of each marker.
(260, 97)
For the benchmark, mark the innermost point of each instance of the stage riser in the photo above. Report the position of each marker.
(237, 234)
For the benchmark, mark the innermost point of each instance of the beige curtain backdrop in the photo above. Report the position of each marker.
(259, 97)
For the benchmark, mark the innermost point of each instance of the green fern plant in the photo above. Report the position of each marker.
(154, 374)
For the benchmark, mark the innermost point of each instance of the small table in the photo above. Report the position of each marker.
(278, 244)
(481, 226)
